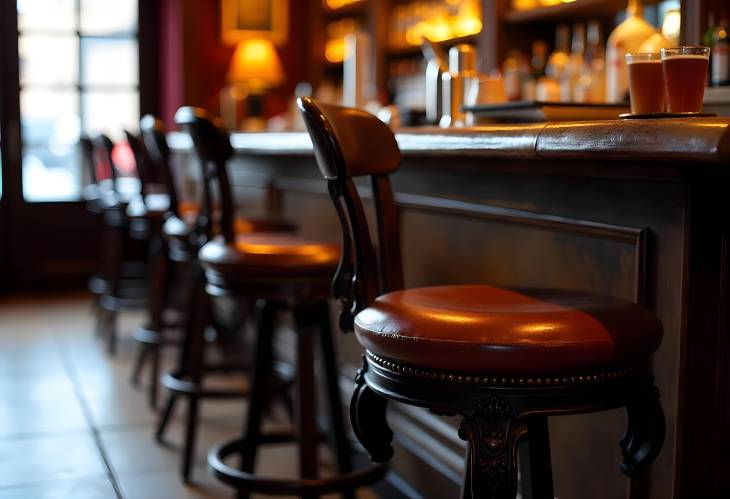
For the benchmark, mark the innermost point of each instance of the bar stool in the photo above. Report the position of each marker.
(93, 198)
(122, 283)
(185, 236)
(147, 214)
(280, 271)
(502, 359)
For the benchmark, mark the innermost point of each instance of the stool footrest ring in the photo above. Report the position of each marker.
(192, 388)
(251, 482)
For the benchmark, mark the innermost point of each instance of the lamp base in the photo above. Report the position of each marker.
(242, 110)
(255, 121)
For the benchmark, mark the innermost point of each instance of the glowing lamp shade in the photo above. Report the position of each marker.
(256, 64)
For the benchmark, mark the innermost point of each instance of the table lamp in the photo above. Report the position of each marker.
(255, 68)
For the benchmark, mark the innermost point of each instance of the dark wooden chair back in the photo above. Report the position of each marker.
(152, 131)
(145, 174)
(213, 148)
(351, 143)
(87, 158)
(103, 163)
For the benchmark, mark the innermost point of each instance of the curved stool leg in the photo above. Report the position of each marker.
(535, 461)
(341, 444)
(368, 419)
(493, 434)
(645, 432)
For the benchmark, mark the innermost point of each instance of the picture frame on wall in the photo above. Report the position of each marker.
(246, 19)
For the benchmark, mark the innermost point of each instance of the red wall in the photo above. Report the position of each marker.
(194, 60)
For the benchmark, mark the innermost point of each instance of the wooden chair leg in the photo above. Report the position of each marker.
(193, 369)
(307, 430)
(645, 433)
(493, 434)
(535, 461)
(114, 275)
(154, 388)
(142, 353)
(165, 417)
(159, 266)
(259, 388)
(111, 332)
(195, 283)
(329, 358)
(368, 418)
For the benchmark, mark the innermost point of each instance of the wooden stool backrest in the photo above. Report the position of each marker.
(145, 173)
(87, 158)
(152, 131)
(103, 162)
(352, 143)
(213, 148)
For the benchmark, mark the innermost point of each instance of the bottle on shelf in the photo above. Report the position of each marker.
(707, 36)
(656, 42)
(535, 71)
(707, 40)
(539, 59)
(511, 72)
(627, 37)
(671, 25)
(548, 87)
(721, 53)
(558, 60)
(573, 69)
(665, 38)
(591, 85)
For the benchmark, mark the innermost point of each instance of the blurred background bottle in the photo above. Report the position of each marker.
(558, 60)
(720, 53)
(569, 81)
(626, 38)
(591, 85)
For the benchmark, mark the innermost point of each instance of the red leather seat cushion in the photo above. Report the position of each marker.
(275, 254)
(483, 329)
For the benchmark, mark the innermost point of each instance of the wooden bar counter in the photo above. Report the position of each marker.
(635, 209)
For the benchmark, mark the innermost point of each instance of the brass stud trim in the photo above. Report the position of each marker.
(435, 375)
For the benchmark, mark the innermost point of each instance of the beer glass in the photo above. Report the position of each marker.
(685, 73)
(646, 82)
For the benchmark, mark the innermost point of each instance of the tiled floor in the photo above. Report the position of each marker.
(71, 426)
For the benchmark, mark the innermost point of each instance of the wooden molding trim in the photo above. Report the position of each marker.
(638, 237)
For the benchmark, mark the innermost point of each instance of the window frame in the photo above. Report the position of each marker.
(144, 90)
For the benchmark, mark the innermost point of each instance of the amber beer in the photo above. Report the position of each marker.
(646, 83)
(685, 73)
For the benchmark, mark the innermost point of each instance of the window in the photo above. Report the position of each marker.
(78, 74)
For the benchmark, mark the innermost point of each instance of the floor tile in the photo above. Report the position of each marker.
(48, 458)
(99, 488)
(38, 402)
(166, 484)
(52, 367)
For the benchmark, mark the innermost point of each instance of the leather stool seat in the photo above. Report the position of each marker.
(271, 256)
(483, 329)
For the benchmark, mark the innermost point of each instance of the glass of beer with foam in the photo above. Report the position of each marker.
(646, 83)
(685, 74)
